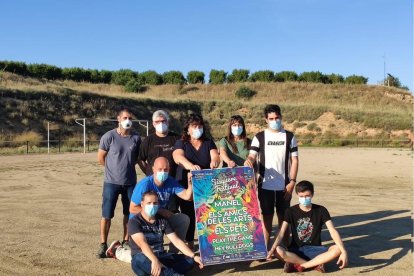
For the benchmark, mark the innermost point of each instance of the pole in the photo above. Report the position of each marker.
(84, 132)
(48, 137)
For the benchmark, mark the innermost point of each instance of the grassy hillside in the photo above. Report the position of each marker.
(311, 110)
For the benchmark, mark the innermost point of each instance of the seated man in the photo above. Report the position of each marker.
(146, 231)
(305, 221)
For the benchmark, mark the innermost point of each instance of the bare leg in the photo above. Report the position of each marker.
(289, 257)
(286, 237)
(323, 258)
(125, 224)
(267, 230)
(105, 226)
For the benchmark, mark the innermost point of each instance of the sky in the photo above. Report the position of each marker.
(346, 37)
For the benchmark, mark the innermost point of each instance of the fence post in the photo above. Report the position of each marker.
(59, 144)
(88, 145)
(27, 147)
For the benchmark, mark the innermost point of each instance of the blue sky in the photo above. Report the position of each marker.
(332, 36)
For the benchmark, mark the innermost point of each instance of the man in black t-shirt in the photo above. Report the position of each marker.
(305, 221)
(146, 235)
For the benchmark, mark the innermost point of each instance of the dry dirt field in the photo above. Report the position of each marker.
(50, 211)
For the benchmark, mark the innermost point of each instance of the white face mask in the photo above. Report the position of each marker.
(126, 124)
(197, 132)
(236, 130)
(161, 127)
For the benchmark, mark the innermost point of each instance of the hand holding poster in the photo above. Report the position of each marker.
(227, 215)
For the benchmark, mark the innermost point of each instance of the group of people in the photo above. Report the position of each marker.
(161, 202)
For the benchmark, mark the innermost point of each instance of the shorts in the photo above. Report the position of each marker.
(308, 252)
(110, 197)
(270, 199)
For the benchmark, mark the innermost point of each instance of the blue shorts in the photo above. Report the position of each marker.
(110, 197)
(308, 252)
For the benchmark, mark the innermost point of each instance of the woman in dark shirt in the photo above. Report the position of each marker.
(194, 151)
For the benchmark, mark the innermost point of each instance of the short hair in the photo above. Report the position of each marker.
(304, 186)
(148, 193)
(123, 109)
(160, 113)
(270, 108)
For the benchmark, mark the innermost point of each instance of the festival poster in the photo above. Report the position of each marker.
(228, 219)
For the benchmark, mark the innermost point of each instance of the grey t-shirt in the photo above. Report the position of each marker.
(122, 153)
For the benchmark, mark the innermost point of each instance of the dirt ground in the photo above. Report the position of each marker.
(50, 210)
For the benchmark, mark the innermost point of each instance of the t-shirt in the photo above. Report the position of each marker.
(168, 188)
(306, 227)
(200, 157)
(153, 232)
(242, 151)
(154, 146)
(121, 157)
(274, 161)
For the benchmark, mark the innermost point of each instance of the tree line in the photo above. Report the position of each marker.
(133, 80)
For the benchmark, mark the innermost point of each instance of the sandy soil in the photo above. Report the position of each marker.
(50, 211)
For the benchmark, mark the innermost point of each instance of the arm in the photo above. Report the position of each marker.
(134, 208)
(251, 159)
(215, 158)
(143, 166)
(278, 240)
(225, 157)
(343, 258)
(294, 161)
(187, 194)
(156, 265)
(181, 160)
(101, 156)
(184, 248)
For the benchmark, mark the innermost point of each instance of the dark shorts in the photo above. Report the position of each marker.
(110, 196)
(270, 199)
(308, 252)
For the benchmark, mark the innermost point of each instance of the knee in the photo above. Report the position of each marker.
(281, 252)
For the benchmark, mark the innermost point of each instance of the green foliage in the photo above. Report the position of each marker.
(151, 77)
(134, 85)
(121, 77)
(15, 67)
(44, 71)
(245, 92)
(173, 77)
(354, 79)
(76, 74)
(194, 77)
(262, 76)
(105, 76)
(217, 77)
(284, 76)
(313, 76)
(238, 75)
(335, 78)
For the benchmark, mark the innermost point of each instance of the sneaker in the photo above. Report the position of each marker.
(102, 250)
(125, 244)
(110, 252)
(298, 267)
(320, 268)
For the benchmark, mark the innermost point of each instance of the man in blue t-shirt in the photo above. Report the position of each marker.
(146, 234)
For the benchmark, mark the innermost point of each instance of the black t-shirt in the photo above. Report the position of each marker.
(153, 232)
(154, 146)
(306, 227)
(199, 157)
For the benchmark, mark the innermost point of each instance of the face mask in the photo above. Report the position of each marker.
(305, 201)
(126, 124)
(197, 133)
(162, 176)
(275, 124)
(236, 131)
(161, 127)
(151, 210)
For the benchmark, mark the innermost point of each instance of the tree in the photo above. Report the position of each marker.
(151, 77)
(121, 77)
(335, 78)
(238, 75)
(173, 77)
(217, 76)
(195, 77)
(76, 74)
(313, 76)
(354, 79)
(263, 76)
(284, 76)
(44, 71)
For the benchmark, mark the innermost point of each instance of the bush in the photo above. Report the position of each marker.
(217, 77)
(105, 76)
(121, 77)
(76, 74)
(134, 86)
(284, 76)
(245, 92)
(313, 76)
(238, 75)
(15, 67)
(173, 77)
(195, 77)
(151, 77)
(263, 76)
(44, 71)
(354, 79)
(335, 78)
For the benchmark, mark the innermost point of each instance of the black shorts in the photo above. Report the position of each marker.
(270, 199)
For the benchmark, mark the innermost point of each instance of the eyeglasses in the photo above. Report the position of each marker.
(160, 121)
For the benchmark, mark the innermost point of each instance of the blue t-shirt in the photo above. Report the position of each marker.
(169, 187)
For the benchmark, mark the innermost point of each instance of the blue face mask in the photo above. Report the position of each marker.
(305, 201)
(236, 130)
(162, 176)
(197, 133)
(276, 124)
(151, 210)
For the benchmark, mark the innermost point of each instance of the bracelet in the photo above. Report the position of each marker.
(293, 179)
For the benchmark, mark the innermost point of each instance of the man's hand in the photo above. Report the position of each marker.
(248, 163)
(271, 253)
(342, 260)
(289, 190)
(197, 259)
(195, 168)
(156, 268)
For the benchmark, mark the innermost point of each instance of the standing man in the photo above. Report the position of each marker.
(118, 152)
(278, 167)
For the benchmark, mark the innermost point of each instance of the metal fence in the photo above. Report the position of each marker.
(60, 146)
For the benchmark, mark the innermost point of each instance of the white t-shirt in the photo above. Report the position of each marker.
(272, 155)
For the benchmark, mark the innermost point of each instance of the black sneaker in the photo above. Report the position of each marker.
(102, 250)
(125, 244)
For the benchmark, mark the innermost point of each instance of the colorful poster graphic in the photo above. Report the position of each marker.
(227, 215)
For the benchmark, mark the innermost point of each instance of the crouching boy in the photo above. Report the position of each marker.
(305, 221)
